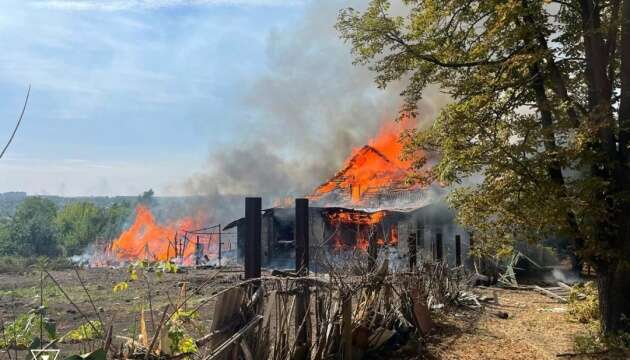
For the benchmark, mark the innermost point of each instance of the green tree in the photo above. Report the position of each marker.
(32, 231)
(79, 224)
(115, 219)
(540, 112)
(6, 246)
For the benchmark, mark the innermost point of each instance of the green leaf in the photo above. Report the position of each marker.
(99, 354)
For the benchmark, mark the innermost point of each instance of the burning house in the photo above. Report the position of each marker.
(367, 206)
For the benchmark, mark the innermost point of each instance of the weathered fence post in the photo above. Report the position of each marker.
(458, 250)
(252, 237)
(302, 323)
(346, 325)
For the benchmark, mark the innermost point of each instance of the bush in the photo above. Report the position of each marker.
(583, 303)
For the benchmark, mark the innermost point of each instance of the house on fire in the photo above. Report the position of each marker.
(368, 202)
(430, 231)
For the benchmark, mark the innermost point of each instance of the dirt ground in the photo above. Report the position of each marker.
(537, 327)
(20, 294)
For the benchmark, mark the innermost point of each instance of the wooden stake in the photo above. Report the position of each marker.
(346, 326)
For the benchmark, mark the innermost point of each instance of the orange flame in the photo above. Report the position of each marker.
(374, 166)
(147, 240)
(366, 227)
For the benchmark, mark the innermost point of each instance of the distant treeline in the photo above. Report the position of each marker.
(9, 201)
(56, 226)
(51, 226)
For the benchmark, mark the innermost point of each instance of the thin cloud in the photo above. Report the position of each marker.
(121, 5)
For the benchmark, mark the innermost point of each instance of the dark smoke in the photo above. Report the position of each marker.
(310, 109)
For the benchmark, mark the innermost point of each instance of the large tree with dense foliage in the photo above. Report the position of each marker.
(540, 110)
(32, 231)
(78, 225)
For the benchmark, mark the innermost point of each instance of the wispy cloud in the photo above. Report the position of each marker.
(119, 5)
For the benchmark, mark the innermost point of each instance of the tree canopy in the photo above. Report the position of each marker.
(78, 225)
(539, 117)
(39, 229)
(32, 231)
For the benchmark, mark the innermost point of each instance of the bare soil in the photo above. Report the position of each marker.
(537, 327)
(21, 293)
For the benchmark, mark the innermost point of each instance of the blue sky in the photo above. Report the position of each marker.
(183, 96)
(126, 94)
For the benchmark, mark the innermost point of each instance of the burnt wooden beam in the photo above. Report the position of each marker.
(372, 251)
(302, 323)
(301, 236)
(252, 237)
(438, 247)
(458, 250)
(346, 326)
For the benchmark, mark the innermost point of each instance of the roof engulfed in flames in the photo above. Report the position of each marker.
(372, 169)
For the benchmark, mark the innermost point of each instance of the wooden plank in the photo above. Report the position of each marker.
(421, 312)
(550, 294)
(226, 309)
(218, 351)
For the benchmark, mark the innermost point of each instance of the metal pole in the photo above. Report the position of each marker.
(197, 251)
(219, 245)
(252, 237)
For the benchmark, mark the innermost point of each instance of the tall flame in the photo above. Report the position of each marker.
(374, 166)
(146, 239)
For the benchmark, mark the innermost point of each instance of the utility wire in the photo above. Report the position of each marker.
(18, 123)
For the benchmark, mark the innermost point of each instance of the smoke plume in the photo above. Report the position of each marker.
(309, 110)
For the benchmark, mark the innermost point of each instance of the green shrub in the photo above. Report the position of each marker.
(86, 332)
(583, 303)
(24, 330)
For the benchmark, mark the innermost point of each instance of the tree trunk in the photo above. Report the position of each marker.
(613, 283)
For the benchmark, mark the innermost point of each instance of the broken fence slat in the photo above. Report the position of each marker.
(227, 343)
(421, 312)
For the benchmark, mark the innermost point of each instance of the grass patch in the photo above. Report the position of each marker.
(50, 291)
(583, 303)
(20, 265)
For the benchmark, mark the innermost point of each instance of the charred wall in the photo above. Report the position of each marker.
(432, 228)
